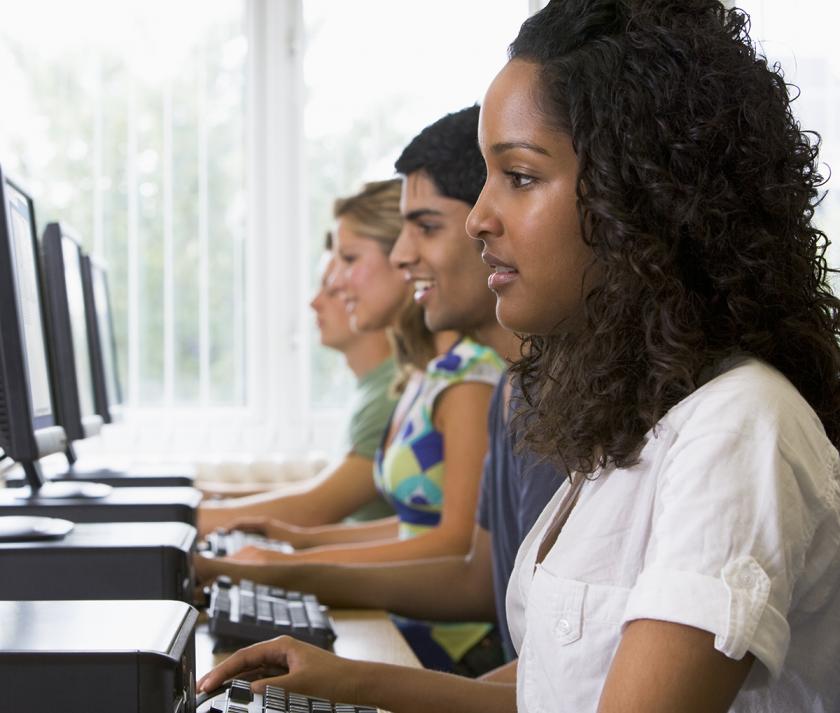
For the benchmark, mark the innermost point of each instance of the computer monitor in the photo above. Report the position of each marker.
(67, 329)
(103, 344)
(28, 426)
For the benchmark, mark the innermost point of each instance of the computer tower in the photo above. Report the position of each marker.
(97, 657)
(124, 560)
(120, 505)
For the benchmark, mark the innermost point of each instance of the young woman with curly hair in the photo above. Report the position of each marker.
(648, 211)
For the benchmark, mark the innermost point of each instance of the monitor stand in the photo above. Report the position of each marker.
(40, 489)
(31, 528)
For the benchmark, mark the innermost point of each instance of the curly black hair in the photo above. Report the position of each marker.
(447, 151)
(696, 192)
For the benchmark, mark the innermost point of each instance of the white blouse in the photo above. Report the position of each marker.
(730, 523)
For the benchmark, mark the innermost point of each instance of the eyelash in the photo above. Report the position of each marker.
(516, 179)
(426, 228)
(348, 259)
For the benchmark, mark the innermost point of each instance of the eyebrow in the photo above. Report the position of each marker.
(510, 145)
(415, 215)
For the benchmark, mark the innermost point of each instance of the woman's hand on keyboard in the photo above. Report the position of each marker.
(311, 671)
(272, 529)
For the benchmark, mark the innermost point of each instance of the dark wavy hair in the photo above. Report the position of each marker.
(447, 151)
(696, 192)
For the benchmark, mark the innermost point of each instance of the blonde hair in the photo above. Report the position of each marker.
(375, 213)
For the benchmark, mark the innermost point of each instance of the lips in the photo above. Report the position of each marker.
(422, 287)
(503, 273)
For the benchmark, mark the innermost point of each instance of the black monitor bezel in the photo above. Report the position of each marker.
(108, 408)
(22, 425)
(68, 403)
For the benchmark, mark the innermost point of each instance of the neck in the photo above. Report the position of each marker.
(504, 342)
(366, 352)
(445, 339)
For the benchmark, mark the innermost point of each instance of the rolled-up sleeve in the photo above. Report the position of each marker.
(732, 523)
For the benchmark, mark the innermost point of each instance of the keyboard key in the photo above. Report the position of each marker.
(240, 691)
(281, 614)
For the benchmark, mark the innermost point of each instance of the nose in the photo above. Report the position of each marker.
(404, 254)
(483, 221)
(317, 301)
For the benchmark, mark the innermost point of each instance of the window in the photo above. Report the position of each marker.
(131, 130)
(803, 39)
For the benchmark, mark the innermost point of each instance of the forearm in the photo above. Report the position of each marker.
(435, 543)
(304, 508)
(215, 514)
(411, 589)
(327, 498)
(344, 534)
(408, 690)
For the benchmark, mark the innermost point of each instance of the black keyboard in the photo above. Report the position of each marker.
(248, 612)
(221, 543)
(239, 699)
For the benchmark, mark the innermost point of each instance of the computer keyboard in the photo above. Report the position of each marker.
(221, 543)
(238, 698)
(249, 612)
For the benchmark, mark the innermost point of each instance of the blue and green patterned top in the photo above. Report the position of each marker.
(410, 474)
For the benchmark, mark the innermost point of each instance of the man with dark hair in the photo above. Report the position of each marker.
(443, 174)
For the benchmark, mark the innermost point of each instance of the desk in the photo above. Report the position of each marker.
(361, 634)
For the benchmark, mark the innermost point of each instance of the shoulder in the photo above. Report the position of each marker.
(467, 360)
(378, 380)
(752, 414)
(750, 395)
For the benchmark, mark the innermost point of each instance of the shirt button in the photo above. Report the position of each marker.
(563, 626)
(746, 580)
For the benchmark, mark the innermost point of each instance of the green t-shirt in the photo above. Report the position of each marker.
(371, 408)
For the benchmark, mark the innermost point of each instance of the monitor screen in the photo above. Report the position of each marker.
(29, 303)
(78, 326)
(106, 335)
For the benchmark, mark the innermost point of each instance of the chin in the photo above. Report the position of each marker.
(436, 322)
(369, 323)
(515, 321)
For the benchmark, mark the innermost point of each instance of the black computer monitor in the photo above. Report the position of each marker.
(28, 426)
(67, 329)
(103, 344)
